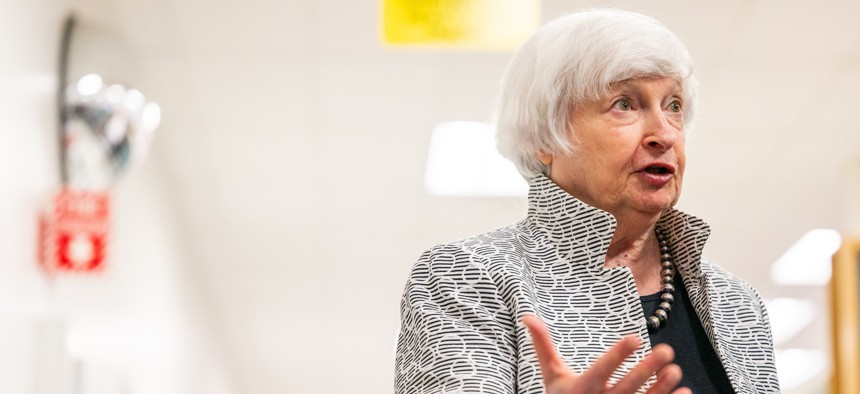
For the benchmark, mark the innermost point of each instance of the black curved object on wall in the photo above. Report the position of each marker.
(62, 83)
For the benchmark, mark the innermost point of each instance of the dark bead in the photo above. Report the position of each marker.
(661, 315)
(668, 297)
(653, 323)
(665, 306)
(664, 249)
(667, 272)
(668, 265)
(666, 257)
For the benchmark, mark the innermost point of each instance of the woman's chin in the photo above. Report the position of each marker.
(657, 205)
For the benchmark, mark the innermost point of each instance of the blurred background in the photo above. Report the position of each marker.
(263, 245)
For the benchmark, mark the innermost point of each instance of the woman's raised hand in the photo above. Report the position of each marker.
(559, 379)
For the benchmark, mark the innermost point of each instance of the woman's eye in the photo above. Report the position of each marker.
(623, 105)
(675, 106)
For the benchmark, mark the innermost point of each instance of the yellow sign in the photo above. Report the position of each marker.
(467, 24)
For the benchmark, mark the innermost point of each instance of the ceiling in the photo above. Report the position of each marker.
(293, 147)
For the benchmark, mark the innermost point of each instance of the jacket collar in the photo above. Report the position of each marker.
(581, 233)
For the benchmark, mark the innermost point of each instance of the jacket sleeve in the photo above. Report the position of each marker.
(767, 375)
(742, 332)
(456, 332)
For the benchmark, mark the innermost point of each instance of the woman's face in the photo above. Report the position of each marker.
(630, 151)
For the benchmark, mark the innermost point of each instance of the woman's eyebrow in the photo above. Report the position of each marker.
(628, 86)
(619, 85)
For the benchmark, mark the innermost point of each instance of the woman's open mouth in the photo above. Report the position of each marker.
(657, 174)
(656, 170)
(659, 168)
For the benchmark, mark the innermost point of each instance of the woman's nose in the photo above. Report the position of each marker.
(660, 133)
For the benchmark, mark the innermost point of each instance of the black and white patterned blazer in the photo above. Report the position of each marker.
(461, 310)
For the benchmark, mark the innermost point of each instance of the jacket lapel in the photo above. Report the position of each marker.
(701, 292)
(687, 235)
(575, 236)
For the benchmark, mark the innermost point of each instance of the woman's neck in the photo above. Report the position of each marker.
(634, 245)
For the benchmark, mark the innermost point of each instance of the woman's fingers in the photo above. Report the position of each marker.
(661, 355)
(667, 379)
(595, 379)
(551, 364)
(596, 376)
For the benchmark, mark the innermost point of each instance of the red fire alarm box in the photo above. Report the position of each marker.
(74, 231)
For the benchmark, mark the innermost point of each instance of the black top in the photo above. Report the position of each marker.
(703, 371)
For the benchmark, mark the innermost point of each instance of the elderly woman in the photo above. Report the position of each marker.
(603, 285)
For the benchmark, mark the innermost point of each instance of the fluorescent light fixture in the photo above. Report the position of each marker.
(463, 161)
(808, 261)
(797, 366)
(789, 316)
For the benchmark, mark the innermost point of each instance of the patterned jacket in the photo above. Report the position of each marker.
(461, 310)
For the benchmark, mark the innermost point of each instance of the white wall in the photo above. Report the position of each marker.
(136, 328)
(26, 142)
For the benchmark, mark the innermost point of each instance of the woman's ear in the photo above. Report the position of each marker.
(545, 158)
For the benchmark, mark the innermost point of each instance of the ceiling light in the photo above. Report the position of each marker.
(89, 84)
(797, 366)
(151, 116)
(789, 316)
(808, 261)
(133, 100)
(463, 161)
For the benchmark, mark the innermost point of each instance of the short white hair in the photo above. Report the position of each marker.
(573, 60)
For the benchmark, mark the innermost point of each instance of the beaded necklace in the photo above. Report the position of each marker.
(659, 317)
